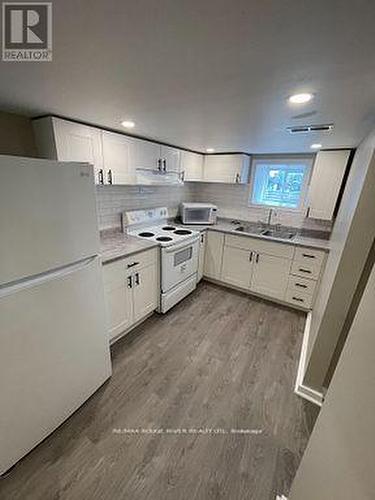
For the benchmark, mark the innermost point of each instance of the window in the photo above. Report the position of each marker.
(280, 183)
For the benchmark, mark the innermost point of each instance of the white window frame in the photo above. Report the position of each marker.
(275, 160)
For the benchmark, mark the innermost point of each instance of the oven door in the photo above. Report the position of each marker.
(178, 262)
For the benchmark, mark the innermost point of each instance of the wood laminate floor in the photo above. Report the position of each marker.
(220, 360)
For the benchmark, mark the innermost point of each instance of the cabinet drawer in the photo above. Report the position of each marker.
(308, 255)
(298, 298)
(114, 272)
(301, 285)
(260, 246)
(306, 269)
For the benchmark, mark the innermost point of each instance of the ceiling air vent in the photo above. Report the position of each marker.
(305, 129)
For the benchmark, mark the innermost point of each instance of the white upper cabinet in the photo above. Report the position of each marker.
(192, 166)
(63, 140)
(326, 180)
(118, 158)
(146, 155)
(171, 159)
(230, 169)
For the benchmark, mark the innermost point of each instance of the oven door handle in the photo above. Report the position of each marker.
(183, 244)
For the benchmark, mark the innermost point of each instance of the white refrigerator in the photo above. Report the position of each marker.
(54, 348)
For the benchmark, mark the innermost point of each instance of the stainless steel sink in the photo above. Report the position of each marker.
(250, 229)
(283, 233)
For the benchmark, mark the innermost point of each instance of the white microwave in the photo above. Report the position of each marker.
(198, 213)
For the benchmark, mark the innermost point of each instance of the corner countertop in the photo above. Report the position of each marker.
(115, 245)
(227, 226)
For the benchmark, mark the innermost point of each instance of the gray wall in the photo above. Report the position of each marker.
(16, 135)
(339, 460)
(351, 240)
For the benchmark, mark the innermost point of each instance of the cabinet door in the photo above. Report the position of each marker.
(270, 275)
(145, 291)
(231, 169)
(146, 154)
(75, 142)
(213, 254)
(118, 158)
(328, 172)
(192, 166)
(118, 297)
(171, 158)
(237, 266)
(202, 248)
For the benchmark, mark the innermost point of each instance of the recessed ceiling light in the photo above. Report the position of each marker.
(210, 150)
(315, 146)
(300, 98)
(128, 124)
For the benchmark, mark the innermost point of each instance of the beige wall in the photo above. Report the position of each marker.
(16, 135)
(351, 240)
(339, 460)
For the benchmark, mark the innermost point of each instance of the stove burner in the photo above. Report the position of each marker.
(182, 231)
(168, 228)
(164, 238)
(146, 234)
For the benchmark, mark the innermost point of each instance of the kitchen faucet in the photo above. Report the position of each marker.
(270, 213)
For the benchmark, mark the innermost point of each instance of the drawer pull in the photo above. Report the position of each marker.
(304, 270)
(133, 264)
(298, 299)
(300, 285)
(308, 256)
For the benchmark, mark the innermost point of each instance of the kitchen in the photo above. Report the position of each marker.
(188, 293)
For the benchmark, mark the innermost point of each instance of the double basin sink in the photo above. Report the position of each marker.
(281, 232)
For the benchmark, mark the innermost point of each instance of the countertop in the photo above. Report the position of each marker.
(226, 226)
(117, 245)
(114, 245)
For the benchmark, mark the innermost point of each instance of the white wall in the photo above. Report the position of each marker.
(351, 239)
(339, 460)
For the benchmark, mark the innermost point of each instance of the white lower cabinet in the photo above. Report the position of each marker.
(144, 292)
(131, 290)
(237, 267)
(202, 251)
(267, 268)
(213, 254)
(270, 275)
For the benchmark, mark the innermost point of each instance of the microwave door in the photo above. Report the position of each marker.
(197, 216)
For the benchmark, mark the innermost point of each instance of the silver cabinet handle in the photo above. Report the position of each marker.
(130, 281)
(251, 256)
(159, 164)
(164, 165)
(257, 258)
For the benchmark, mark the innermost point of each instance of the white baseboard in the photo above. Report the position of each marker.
(300, 388)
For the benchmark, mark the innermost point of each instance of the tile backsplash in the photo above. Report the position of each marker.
(113, 200)
(232, 202)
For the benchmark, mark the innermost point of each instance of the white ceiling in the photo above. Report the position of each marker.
(207, 73)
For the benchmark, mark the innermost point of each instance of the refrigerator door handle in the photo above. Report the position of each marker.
(38, 279)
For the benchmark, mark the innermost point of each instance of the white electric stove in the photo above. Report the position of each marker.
(179, 250)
